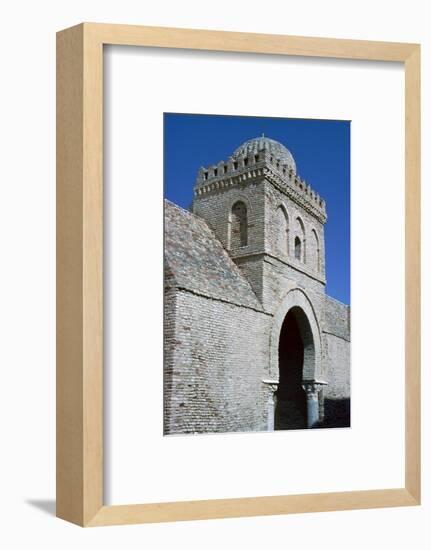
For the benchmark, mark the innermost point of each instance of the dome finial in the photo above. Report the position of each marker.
(263, 135)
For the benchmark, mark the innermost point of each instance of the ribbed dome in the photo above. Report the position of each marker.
(277, 149)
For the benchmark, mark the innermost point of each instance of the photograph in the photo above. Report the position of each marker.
(256, 274)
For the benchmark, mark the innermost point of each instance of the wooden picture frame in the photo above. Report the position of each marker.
(80, 273)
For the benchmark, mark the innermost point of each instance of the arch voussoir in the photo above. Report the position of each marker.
(296, 298)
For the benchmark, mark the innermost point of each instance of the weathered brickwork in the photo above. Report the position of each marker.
(196, 261)
(279, 278)
(301, 224)
(214, 382)
(337, 319)
(336, 337)
(251, 253)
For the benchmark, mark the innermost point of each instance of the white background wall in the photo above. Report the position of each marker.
(27, 276)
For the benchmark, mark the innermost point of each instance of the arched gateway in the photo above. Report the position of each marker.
(296, 367)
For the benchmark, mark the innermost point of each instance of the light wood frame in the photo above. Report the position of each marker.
(80, 273)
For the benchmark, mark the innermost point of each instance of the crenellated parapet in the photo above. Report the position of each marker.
(258, 165)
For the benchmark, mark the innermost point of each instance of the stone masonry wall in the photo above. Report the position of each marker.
(313, 227)
(280, 277)
(337, 318)
(215, 208)
(336, 336)
(336, 346)
(216, 356)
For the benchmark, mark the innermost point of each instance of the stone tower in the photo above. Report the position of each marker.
(269, 220)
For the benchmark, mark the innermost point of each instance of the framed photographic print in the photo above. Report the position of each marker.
(238, 233)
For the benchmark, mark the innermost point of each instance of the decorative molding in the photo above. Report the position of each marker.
(296, 297)
(284, 180)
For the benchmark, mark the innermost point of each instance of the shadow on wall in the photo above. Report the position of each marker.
(45, 505)
(337, 414)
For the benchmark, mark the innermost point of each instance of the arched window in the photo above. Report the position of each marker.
(238, 225)
(298, 246)
(300, 241)
(282, 232)
(316, 251)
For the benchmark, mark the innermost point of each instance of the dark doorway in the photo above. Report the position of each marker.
(291, 408)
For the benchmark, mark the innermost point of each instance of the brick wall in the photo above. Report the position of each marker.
(336, 343)
(216, 355)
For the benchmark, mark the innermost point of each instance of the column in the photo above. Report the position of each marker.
(312, 388)
(272, 401)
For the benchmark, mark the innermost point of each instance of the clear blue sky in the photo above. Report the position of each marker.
(321, 149)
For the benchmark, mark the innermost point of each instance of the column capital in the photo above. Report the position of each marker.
(312, 387)
(272, 383)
